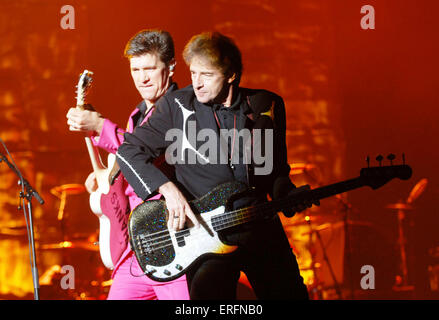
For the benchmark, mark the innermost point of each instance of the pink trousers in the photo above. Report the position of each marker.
(129, 283)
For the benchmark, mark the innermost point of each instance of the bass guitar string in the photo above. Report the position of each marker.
(166, 240)
(234, 218)
(270, 207)
(266, 207)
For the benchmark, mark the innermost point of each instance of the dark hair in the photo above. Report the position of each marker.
(220, 50)
(151, 41)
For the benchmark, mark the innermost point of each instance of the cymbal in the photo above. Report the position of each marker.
(318, 228)
(298, 168)
(11, 232)
(399, 206)
(417, 190)
(70, 188)
(323, 222)
(70, 245)
(13, 228)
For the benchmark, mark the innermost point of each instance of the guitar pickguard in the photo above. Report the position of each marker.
(148, 225)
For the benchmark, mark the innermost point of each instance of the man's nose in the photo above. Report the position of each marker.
(144, 76)
(196, 81)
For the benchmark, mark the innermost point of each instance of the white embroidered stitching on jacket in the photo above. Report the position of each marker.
(135, 173)
(185, 143)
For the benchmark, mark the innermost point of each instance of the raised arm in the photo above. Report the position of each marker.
(105, 134)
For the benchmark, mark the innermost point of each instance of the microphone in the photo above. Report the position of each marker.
(26, 184)
(31, 191)
(38, 197)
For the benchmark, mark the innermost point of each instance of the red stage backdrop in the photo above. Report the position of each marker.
(350, 92)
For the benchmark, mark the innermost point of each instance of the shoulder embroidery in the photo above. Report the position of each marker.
(270, 111)
(185, 142)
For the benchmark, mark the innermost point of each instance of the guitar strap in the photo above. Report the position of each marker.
(262, 117)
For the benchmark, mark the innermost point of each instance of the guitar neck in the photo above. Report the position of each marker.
(258, 212)
(95, 157)
(326, 191)
(98, 167)
(93, 151)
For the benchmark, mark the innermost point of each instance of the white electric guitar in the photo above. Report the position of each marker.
(109, 202)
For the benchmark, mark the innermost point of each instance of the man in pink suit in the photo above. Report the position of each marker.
(151, 57)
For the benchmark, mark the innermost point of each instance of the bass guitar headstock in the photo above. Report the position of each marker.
(376, 177)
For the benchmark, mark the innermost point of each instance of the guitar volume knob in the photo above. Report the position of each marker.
(178, 267)
(151, 271)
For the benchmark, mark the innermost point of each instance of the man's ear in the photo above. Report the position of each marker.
(172, 67)
(231, 78)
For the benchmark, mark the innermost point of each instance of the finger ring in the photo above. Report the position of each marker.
(176, 216)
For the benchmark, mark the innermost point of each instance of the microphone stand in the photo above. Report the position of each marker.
(27, 192)
(347, 207)
(325, 257)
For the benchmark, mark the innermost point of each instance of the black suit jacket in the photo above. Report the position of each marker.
(181, 113)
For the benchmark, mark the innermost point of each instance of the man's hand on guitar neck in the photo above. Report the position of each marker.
(178, 207)
(301, 205)
(284, 188)
(85, 120)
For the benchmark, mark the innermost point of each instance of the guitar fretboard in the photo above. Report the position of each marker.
(241, 216)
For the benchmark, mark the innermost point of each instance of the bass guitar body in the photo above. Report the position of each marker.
(165, 254)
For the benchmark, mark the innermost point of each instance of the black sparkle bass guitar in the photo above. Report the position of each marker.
(165, 254)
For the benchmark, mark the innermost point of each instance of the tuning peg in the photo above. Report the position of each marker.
(403, 158)
(379, 158)
(368, 161)
(391, 157)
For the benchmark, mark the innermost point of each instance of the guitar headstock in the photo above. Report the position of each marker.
(83, 86)
(376, 177)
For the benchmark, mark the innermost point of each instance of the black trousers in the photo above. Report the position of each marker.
(264, 255)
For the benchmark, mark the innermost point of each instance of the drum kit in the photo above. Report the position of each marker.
(403, 208)
(76, 250)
